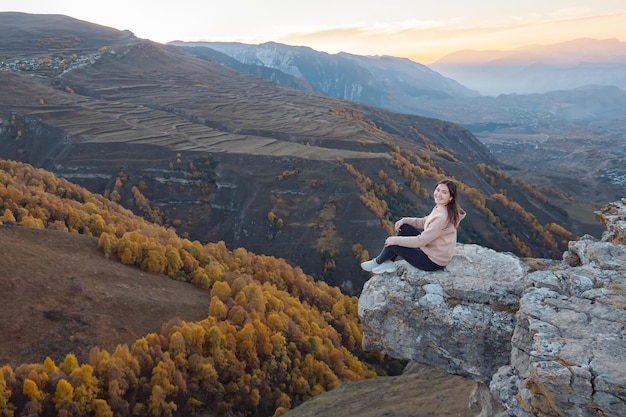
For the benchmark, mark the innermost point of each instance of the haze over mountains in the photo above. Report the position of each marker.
(539, 68)
(531, 69)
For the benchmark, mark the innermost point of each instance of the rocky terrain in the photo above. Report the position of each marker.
(539, 337)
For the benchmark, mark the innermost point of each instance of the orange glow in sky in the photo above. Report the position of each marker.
(419, 30)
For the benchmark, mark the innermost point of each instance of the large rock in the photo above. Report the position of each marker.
(547, 342)
(461, 319)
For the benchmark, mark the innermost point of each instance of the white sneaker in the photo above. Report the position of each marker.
(369, 265)
(387, 266)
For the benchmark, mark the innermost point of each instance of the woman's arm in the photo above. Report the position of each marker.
(433, 230)
(417, 222)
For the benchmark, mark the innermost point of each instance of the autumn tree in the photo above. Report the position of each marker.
(7, 409)
(8, 217)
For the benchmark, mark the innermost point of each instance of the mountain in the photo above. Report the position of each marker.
(539, 68)
(24, 34)
(559, 134)
(260, 71)
(381, 81)
(225, 156)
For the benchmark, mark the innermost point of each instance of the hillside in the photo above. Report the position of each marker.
(23, 34)
(264, 317)
(379, 81)
(224, 156)
(85, 300)
(63, 296)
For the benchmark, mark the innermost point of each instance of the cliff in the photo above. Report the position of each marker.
(539, 337)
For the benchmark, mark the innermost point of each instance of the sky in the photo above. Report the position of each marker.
(422, 31)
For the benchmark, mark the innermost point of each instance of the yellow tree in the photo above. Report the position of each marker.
(69, 364)
(106, 243)
(174, 263)
(103, 409)
(37, 397)
(30, 221)
(63, 395)
(86, 388)
(158, 405)
(155, 260)
(221, 290)
(217, 308)
(6, 408)
(8, 217)
(246, 346)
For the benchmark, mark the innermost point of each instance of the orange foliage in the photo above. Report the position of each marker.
(272, 334)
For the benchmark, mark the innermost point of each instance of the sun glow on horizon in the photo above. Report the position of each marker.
(420, 31)
(427, 43)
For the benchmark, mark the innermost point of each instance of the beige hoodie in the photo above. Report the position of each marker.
(438, 240)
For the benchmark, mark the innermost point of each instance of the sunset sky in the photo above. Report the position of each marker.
(419, 30)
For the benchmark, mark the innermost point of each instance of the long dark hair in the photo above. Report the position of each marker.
(453, 207)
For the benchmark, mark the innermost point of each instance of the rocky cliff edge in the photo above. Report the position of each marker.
(540, 337)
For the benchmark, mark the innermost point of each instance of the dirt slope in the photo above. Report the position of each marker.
(423, 392)
(60, 295)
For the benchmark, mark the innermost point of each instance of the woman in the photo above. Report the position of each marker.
(430, 250)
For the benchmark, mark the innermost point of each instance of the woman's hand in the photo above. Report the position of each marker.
(399, 224)
(390, 241)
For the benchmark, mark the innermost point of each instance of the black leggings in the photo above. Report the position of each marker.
(414, 256)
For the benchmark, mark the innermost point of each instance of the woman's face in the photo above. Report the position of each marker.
(442, 195)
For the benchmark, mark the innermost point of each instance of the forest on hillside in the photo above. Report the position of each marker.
(272, 339)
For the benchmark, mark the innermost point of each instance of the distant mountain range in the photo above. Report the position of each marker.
(381, 81)
(580, 108)
(539, 68)
(404, 86)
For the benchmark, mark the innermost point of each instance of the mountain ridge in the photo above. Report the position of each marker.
(576, 116)
(575, 50)
(343, 75)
